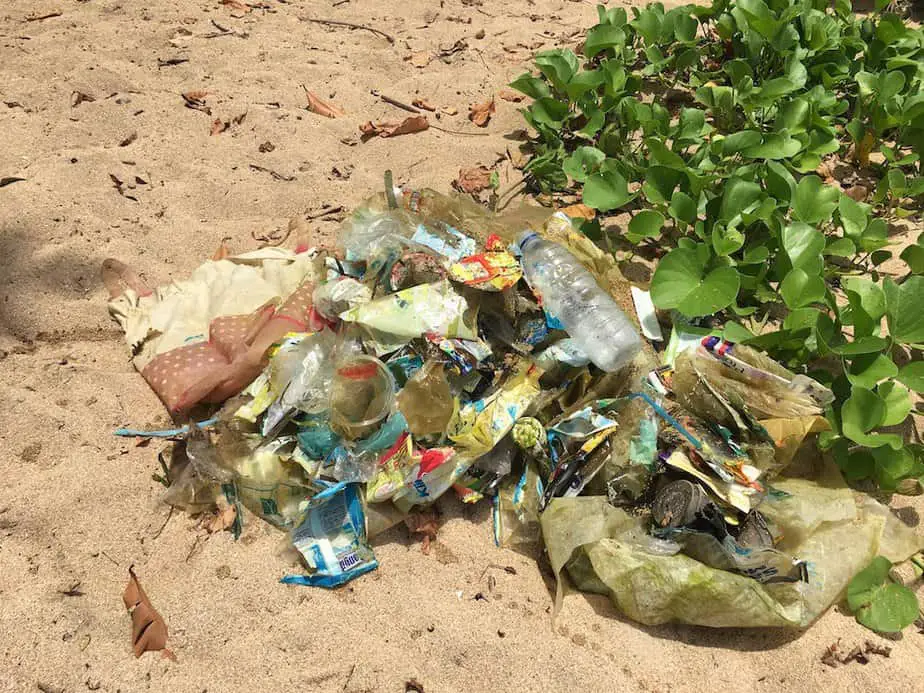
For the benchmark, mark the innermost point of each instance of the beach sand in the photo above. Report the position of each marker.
(78, 505)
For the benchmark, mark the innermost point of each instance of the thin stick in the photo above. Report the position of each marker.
(395, 102)
(166, 520)
(324, 212)
(460, 132)
(42, 17)
(351, 25)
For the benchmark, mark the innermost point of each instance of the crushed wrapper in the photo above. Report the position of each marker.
(492, 271)
(396, 319)
(478, 426)
(332, 538)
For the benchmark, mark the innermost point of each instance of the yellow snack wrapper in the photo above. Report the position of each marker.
(493, 271)
(479, 426)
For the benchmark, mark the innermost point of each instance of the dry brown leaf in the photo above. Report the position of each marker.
(862, 151)
(420, 58)
(424, 104)
(78, 97)
(857, 192)
(511, 95)
(149, 631)
(316, 105)
(825, 169)
(225, 513)
(449, 110)
(473, 180)
(425, 522)
(219, 126)
(579, 211)
(480, 113)
(235, 6)
(393, 128)
(196, 100)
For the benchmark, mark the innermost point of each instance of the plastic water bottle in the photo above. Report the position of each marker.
(586, 311)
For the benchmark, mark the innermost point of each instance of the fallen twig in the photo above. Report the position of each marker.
(273, 238)
(274, 174)
(351, 25)
(460, 132)
(166, 520)
(395, 102)
(324, 212)
(40, 17)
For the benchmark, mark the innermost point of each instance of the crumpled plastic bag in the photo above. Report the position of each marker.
(606, 551)
(396, 319)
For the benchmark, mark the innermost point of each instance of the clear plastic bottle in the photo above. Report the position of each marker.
(587, 312)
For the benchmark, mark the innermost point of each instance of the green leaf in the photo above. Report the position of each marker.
(794, 116)
(859, 465)
(861, 345)
(861, 413)
(681, 281)
(739, 141)
(534, 87)
(799, 289)
(685, 28)
(682, 207)
(780, 182)
(814, 201)
(645, 224)
(854, 216)
(878, 603)
(559, 66)
(726, 240)
(872, 298)
(583, 162)
(583, 82)
(595, 120)
(841, 247)
(804, 245)
(660, 182)
(891, 466)
(549, 112)
(897, 402)
(912, 375)
(739, 195)
(603, 36)
(867, 370)
(606, 191)
(692, 125)
(913, 256)
(904, 309)
(774, 146)
(648, 25)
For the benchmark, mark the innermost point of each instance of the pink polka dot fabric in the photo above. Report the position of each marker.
(171, 373)
(232, 357)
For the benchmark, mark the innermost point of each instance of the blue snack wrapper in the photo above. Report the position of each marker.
(332, 538)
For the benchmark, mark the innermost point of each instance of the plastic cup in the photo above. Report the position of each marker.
(362, 396)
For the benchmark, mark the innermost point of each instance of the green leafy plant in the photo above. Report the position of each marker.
(878, 603)
(710, 126)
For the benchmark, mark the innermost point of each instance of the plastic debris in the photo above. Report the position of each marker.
(332, 538)
(365, 383)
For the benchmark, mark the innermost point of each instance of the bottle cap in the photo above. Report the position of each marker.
(526, 237)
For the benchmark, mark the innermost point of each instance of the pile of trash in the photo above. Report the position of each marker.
(441, 348)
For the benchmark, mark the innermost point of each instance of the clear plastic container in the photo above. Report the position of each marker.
(587, 312)
(362, 396)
